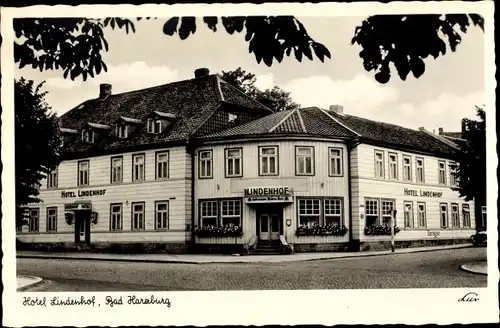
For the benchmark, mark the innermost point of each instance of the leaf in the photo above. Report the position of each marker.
(170, 27)
(188, 26)
(298, 54)
(417, 67)
(211, 22)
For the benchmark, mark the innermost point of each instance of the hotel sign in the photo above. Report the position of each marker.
(269, 195)
(77, 206)
(422, 193)
(83, 193)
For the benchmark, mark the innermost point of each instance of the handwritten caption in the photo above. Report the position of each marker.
(91, 301)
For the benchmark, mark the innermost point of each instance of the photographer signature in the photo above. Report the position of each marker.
(469, 297)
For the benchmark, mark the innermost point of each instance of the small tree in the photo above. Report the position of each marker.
(37, 142)
(470, 170)
(276, 98)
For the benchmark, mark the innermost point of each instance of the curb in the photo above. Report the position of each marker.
(145, 260)
(37, 282)
(465, 267)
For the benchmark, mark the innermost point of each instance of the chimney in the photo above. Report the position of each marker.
(440, 131)
(104, 90)
(201, 72)
(421, 128)
(337, 109)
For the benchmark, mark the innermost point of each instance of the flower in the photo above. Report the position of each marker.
(380, 230)
(227, 230)
(315, 229)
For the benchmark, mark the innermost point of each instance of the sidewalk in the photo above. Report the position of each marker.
(477, 267)
(213, 258)
(24, 282)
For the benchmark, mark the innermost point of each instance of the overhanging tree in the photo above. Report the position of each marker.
(471, 163)
(37, 142)
(275, 98)
(75, 45)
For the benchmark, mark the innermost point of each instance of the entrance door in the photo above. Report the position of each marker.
(269, 224)
(82, 226)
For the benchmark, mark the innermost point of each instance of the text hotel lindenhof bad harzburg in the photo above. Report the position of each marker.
(198, 163)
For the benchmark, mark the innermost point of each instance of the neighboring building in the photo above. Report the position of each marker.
(198, 163)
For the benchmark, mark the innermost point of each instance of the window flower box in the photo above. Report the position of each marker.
(380, 230)
(321, 230)
(218, 231)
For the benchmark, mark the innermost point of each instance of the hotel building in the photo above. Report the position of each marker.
(196, 165)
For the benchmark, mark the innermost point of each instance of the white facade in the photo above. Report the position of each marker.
(172, 192)
(407, 193)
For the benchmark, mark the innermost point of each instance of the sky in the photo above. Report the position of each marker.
(448, 91)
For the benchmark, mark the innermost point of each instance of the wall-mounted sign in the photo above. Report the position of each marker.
(77, 206)
(433, 233)
(269, 199)
(83, 193)
(288, 222)
(422, 193)
(268, 191)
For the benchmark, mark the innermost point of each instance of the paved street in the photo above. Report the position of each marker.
(435, 269)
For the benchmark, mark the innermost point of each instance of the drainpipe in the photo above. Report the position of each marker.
(191, 150)
(349, 192)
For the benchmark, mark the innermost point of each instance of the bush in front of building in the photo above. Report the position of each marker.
(380, 230)
(218, 231)
(321, 230)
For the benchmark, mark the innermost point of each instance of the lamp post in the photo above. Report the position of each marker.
(393, 220)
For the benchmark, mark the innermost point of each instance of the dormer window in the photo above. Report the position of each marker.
(232, 118)
(155, 126)
(122, 131)
(88, 136)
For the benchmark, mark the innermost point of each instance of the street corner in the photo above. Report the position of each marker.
(25, 282)
(476, 267)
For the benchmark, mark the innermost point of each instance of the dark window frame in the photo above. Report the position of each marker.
(277, 156)
(166, 201)
(226, 150)
(313, 161)
(211, 176)
(47, 219)
(111, 170)
(167, 152)
(133, 167)
(78, 182)
(111, 216)
(330, 174)
(143, 216)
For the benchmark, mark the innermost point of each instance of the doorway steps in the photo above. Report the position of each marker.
(268, 248)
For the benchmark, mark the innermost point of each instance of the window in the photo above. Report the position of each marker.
(34, 219)
(371, 212)
(407, 168)
(208, 213)
(333, 211)
(453, 172)
(443, 214)
(379, 164)
(335, 168)
(455, 218)
(116, 169)
(231, 212)
(138, 167)
(309, 211)
(154, 126)
(304, 160)
(393, 166)
(162, 165)
(421, 215)
(205, 158)
(138, 216)
(161, 209)
(387, 207)
(88, 136)
(233, 162)
(83, 173)
(408, 214)
(52, 179)
(122, 131)
(232, 117)
(268, 163)
(420, 169)
(442, 172)
(466, 215)
(51, 219)
(115, 217)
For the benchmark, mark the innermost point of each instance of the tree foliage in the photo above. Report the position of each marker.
(37, 140)
(276, 98)
(75, 45)
(470, 170)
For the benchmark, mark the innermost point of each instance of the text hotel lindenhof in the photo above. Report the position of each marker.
(294, 184)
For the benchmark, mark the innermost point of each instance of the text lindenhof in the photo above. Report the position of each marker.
(422, 193)
(91, 301)
(83, 193)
